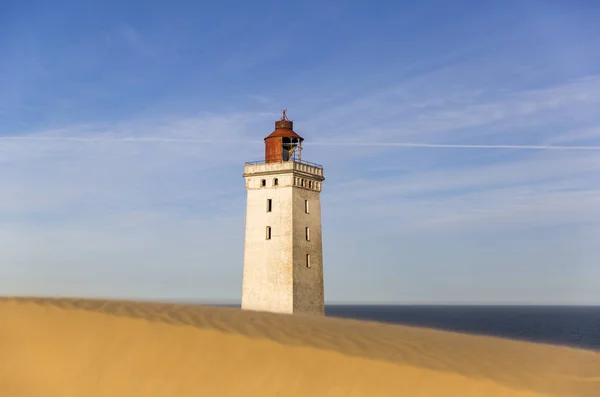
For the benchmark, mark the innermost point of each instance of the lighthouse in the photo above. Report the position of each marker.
(283, 250)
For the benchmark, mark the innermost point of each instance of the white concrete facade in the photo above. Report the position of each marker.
(283, 253)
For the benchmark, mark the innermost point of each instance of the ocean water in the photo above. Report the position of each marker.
(577, 326)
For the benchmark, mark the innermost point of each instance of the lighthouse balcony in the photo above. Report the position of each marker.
(262, 166)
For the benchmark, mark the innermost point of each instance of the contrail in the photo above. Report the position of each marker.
(324, 143)
(109, 139)
(459, 146)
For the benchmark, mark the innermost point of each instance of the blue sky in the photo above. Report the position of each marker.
(124, 128)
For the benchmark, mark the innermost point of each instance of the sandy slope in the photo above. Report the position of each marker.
(86, 348)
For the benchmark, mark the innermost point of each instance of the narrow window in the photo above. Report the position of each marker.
(275, 182)
(268, 232)
(269, 205)
(308, 234)
(263, 182)
(306, 209)
(308, 260)
(310, 184)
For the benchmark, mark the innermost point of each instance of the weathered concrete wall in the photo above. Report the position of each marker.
(267, 280)
(308, 282)
(276, 277)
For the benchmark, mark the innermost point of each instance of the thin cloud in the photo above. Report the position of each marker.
(222, 142)
(130, 34)
(458, 146)
(116, 140)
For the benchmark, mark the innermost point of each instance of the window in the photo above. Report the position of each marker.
(310, 184)
(306, 209)
(308, 260)
(303, 182)
(269, 205)
(275, 182)
(308, 234)
(268, 232)
(263, 182)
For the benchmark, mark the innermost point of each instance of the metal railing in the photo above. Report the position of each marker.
(290, 161)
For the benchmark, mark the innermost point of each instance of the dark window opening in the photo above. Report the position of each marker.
(269, 205)
(263, 182)
(268, 232)
(289, 148)
(275, 182)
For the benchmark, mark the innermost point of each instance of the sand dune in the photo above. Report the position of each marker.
(77, 348)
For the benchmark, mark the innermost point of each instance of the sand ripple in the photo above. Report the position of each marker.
(81, 347)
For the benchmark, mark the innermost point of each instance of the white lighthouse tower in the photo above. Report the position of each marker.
(283, 253)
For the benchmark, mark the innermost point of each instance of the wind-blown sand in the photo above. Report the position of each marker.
(69, 347)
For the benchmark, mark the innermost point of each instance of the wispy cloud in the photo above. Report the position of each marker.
(418, 109)
(419, 171)
(104, 159)
(130, 34)
(539, 191)
(248, 141)
(579, 135)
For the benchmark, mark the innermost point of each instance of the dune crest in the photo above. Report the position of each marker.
(76, 347)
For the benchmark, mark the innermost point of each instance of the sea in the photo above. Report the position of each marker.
(574, 326)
